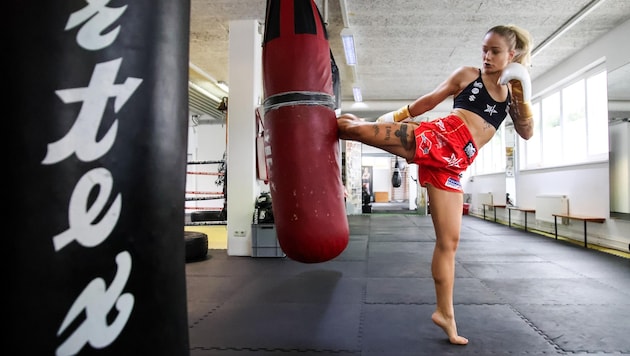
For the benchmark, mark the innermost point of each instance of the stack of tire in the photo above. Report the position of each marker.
(196, 246)
(208, 215)
(197, 242)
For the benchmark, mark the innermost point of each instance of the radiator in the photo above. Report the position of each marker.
(551, 204)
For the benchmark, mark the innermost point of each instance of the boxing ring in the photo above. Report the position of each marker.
(208, 214)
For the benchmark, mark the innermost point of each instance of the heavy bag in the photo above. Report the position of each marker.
(97, 174)
(301, 133)
(396, 176)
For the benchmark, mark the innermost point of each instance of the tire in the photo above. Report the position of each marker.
(207, 215)
(196, 246)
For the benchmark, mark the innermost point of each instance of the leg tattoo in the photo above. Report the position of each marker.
(402, 135)
(388, 132)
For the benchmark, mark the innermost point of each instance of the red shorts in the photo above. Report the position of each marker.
(444, 149)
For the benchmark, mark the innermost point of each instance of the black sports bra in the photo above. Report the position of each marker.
(476, 98)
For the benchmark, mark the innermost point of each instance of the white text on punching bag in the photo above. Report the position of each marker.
(96, 299)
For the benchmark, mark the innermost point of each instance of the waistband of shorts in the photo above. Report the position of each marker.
(456, 123)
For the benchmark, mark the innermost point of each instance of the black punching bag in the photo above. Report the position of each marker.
(97, 122)
(396, 177)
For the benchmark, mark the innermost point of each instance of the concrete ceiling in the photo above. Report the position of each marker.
(405, 48)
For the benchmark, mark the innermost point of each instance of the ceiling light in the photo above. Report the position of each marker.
(348, 46)
(356, 92)
(566, 26)
(203, 91)
(223, 85)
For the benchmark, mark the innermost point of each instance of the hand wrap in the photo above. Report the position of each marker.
(395, 116)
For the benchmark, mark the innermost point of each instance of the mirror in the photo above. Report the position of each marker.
(619, 139)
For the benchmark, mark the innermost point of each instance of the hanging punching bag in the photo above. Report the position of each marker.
(396, 177)
(97, 175)
(301, 133)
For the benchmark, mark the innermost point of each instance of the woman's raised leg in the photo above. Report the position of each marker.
(446, 212)
(394, 137)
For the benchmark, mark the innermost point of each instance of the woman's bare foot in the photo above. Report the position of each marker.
(449, 327)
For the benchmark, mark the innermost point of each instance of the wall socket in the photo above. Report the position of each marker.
(239, 233)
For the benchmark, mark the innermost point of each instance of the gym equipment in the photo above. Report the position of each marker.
(196, 246)
(396, 176)
(208, 215)
(301, 140)
(517, 75)
(97, 177)
(263, 210)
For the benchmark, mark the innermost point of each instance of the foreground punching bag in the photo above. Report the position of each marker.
(301, 133)
(97, 167)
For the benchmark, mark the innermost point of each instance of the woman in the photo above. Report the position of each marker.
(445, 147)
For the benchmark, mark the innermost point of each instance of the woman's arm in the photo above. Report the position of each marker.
(451, 86)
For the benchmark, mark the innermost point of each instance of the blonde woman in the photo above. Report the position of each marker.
(445, 147)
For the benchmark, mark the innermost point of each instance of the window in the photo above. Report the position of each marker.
(597, 115)
(551, 130)
(570, 124)
(574, 123)
(531, 156)
(491, 157)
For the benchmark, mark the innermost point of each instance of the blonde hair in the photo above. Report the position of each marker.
(518, 39)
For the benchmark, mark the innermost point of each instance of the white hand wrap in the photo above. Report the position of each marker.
(395, 116)
(387, 117)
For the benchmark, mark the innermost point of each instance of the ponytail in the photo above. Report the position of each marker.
(519, 40)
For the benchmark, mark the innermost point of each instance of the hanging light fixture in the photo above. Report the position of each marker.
(347, 38)
(356, 92)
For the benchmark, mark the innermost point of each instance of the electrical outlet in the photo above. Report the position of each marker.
(239, 233)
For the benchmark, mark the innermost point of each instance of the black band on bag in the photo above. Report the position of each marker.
(299, 98)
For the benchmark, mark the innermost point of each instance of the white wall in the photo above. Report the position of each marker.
(245, 79)
(587, 186)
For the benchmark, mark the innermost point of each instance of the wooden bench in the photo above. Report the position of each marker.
(494, 206)
(524, 210)
(576, 217)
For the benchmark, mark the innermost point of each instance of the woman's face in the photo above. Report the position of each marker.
(495, 53)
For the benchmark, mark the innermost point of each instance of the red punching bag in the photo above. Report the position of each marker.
(301, 133)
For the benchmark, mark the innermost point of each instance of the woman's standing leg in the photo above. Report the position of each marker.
(446, 212)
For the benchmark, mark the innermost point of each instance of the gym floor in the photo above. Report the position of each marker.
(516, 293)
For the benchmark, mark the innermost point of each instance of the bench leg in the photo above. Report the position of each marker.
(510, 217)
(555, 224)
(585, 233)
(525, 221)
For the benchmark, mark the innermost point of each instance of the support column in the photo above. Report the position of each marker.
(245, 79)
(511, 166)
